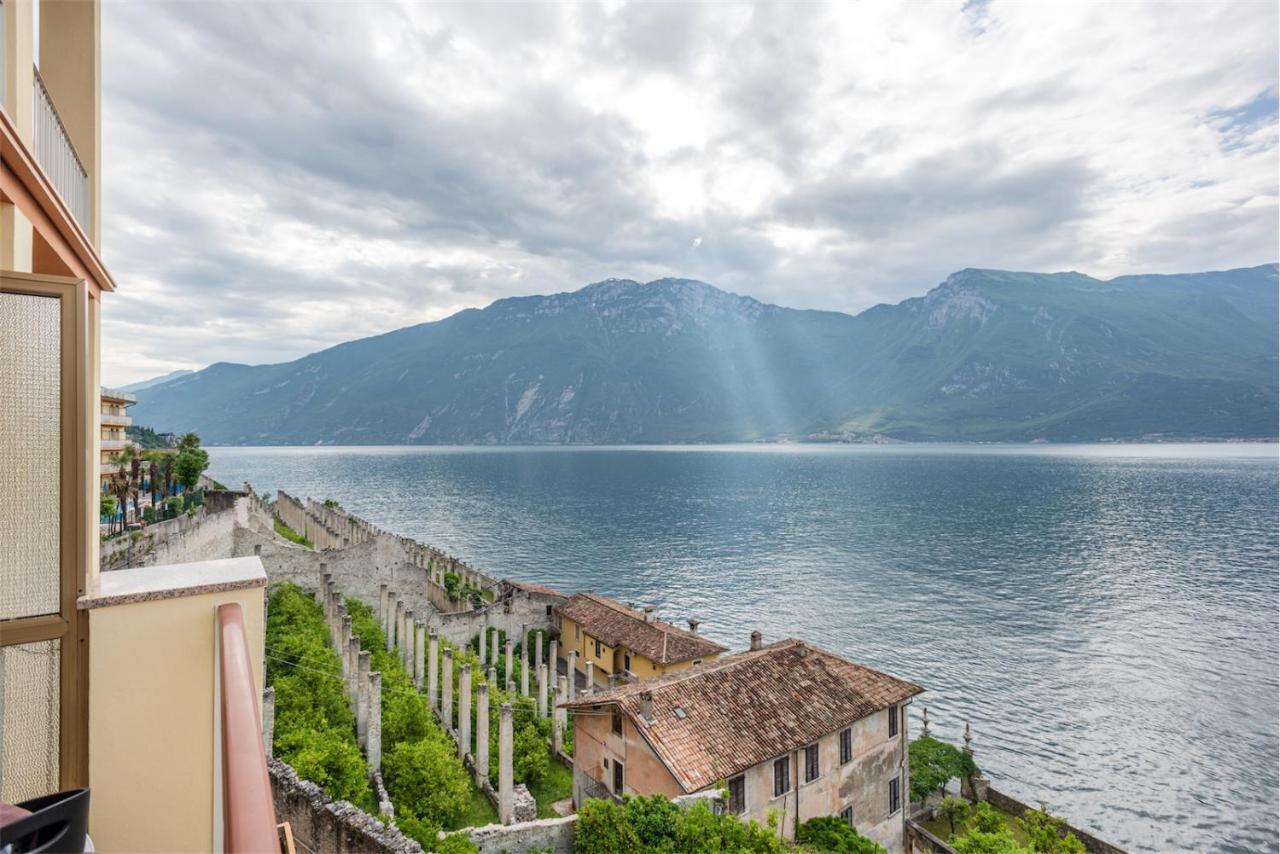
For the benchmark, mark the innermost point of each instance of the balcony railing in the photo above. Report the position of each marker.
(109, 420)
(113, 445)
(57, 157)
(248, 811)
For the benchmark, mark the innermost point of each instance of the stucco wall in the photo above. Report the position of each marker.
(594, 742)
(158, 755)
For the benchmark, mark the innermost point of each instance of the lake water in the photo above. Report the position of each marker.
(1105, 617)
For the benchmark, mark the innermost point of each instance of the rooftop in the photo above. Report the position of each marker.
(717, 719)
(613, 623)
(116, 394)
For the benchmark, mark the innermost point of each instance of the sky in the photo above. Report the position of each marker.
(280, 177)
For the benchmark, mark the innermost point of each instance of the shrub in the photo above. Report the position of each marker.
(995, 842)
(1046, 834)
(828, 833)
(423, 781)
(986, 819)
(657, 825)
(953, 810)
(603, 829)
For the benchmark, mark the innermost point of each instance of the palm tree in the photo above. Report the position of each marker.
(118, 486)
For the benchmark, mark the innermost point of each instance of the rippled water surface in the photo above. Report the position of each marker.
(1105, 617)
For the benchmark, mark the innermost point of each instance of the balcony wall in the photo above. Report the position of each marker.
(154, 758)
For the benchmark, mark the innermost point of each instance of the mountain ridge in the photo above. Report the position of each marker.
(984, 355)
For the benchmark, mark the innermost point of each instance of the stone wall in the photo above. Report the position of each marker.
(202, 536)
(1009, 804)
(548, 834)
(320, 824)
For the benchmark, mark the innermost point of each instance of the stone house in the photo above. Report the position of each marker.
(791, 729)
(620, 641)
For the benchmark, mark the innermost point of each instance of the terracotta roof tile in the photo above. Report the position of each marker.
(615, 624)
(745, 708)
(536, 588)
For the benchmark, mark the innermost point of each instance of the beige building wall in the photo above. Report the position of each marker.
(152, 666)
(596, 747)
(611, 659)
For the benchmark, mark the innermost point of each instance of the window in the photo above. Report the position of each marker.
(617, 723)
(811, 763)
(893, 721)
(577, 631)
(846, 745)
(549, 607)
(626, 662)
(781, 776)
(617, 777)
(738, 795)
(597, 649)
(846, 815)
(894, 796)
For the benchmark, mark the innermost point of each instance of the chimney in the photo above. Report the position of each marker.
(755, 640)
(648, 613)
(646, 706)
(693, 626)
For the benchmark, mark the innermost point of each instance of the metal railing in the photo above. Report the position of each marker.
(56, 155)
(248, 810)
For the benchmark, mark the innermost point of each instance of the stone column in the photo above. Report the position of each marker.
(433, 671)
(542, 690)
(557, 716)
(397, 632)
(553, 659)
(405, 639)
(506, 779)
(493, 677)
(510, 660)
(353, 679)
(389, 627)
(464, 710)
(268, 719)
(480, 642)
(537, 661)
(362, 699)
(524, 669)
(419, 654)
(493, 647)
(373, 749)
(482, 732)
(591, 677)
(382, 606)
(446, 690)
(572, 672)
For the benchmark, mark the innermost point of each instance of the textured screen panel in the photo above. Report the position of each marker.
(29, 765)
(30, 428)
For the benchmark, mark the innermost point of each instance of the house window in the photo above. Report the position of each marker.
(846, 815)
(811, 763)
(617, 723)
(577, 631)
(617, 777)
(597, 649)
(737, 795)
(893, 721)
(781, 776)
(626, 662)
(549, 609)
(846, 745)
(895, 796)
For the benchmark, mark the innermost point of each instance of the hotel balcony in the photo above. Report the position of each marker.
(57, 156)
(107, 420)
(111, 446)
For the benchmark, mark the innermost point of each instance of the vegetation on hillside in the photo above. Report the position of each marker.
(146, 438)
(291, 535)
(655, 824)
(982, 829)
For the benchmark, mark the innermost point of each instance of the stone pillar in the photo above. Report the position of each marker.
(493, 677)
(553, 659)
(373, 749)
(524, 669)
(396, 629)
(353, 675)
(268, 718)
(480, 642)
(509, 660)
(506, 779)
(537, 661)
(382, 606)
(404, 637)
(389, 628)
(482, 732)
(591, 677)
(362, 699)
(557, 716)
(464, 710)
(419, 654)
(572, 672)
(542, 690)
(493, 647)
(322, 595)
(433, 671)
(446, 690)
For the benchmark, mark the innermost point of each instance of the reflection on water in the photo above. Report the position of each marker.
(1105, 617)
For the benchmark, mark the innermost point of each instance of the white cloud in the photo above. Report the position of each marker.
(280, 179)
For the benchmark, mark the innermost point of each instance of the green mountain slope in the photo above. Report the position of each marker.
(986, 355)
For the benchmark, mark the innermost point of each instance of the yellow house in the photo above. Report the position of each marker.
(621, 641)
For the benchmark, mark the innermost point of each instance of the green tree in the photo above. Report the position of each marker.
(934, 763)
(421, 777)
(953, 810)
(603, 829)
(106, 505)
(830, 834)
(188, 442)
(986, 819)
(1047, 834)
(190, 465)
(995, 842)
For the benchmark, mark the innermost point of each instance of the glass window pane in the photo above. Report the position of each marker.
(29, 693)
(30, 429)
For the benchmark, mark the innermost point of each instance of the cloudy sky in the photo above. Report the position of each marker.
(281, 177)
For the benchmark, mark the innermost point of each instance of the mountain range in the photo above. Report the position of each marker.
(986, 355)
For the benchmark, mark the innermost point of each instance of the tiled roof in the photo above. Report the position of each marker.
(536, 588)
(615, 624)
(745, 708)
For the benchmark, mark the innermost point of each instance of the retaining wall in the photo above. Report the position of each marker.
(320, 824)
(1010, 804)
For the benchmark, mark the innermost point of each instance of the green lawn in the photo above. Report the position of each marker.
(555, 786)
(480, 813)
